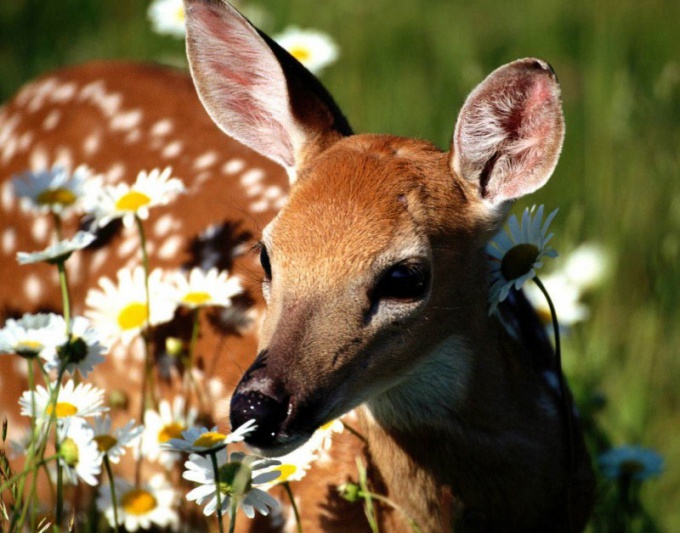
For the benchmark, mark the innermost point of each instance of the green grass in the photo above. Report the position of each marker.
(406, 67)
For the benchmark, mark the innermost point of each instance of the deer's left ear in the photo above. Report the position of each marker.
(509, 132)
(255, 91)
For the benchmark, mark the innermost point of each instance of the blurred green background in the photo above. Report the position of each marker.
(406, 67)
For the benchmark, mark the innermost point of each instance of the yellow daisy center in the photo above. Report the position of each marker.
(209, 439)
(327, 425)
(196, 298)
(138, 502)
(62, 410)
(300, 53)
(105, 442)
(179, 14)
(56, 196)
(132, 316)
(173, 430)
(286, 472)
(132, 200)
(518, 260)
(29, 346)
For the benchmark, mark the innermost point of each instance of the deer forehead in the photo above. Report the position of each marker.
(366, 200)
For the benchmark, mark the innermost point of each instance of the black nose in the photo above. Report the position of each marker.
(269, 414)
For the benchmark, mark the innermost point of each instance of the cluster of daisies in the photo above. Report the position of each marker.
(71, 416)
(314, 49)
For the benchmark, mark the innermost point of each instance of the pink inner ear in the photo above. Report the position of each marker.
(510, 131)
(240, 82)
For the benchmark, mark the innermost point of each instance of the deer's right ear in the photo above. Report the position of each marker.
(254, 90)
(509, 132)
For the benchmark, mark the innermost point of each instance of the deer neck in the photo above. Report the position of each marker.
(458, 408)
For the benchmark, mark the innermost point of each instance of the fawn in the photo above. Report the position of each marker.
(374, 272)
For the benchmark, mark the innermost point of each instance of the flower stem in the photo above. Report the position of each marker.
(566, 396)
(66, 300)
(31, 387)
(234, 508)
(114, 501)
(218, 495)
(60, 493)
(289, 491)
(384, 499)
(147, 375)
(7, 484)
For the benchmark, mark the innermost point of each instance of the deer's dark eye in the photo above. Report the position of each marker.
(407, 281)
(266, 263)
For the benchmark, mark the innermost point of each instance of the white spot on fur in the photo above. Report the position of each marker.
(205, 160)
(38, 158)
(64, 92)
(9, 241)
(163, 225)
(33, 288)
(134, 136)
(162, 127)
(115, 172)
(9, 149)
(129, 245)
(273, 192)
(126, 121)
(42, 91)
(8, 198)
(252, 176)
(172, 150)
(260, 206)
(171, 247)
(99, 257)
(25, 141)
(254, 189)
(40, 230)
(75, 266)
(51, 120)
(92, 143)
(233, 166)
(64, 157)
(8, 126)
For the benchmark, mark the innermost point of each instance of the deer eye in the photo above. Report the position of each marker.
(266, 263)
(405, 281)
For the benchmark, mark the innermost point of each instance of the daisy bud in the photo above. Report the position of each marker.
(350, 492)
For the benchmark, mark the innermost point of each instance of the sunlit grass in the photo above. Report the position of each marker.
(405, 68)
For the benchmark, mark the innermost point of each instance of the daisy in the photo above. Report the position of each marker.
(120, 311)
(167, 17)
(58, 252)
(125, 201)
(78, 452)
(517, 253)
(162, 426)
(236, 480)
(586, 266)
(150, 504)
(82, 351)
(202, 440)
(33, 335)
(203, 288)
(72, 401)
(632, 462)
(315, 50)
(54, 190)
(565, 296)
(113, 443)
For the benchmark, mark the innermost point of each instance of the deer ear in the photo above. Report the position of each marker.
(254, 90)
(509, 133)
